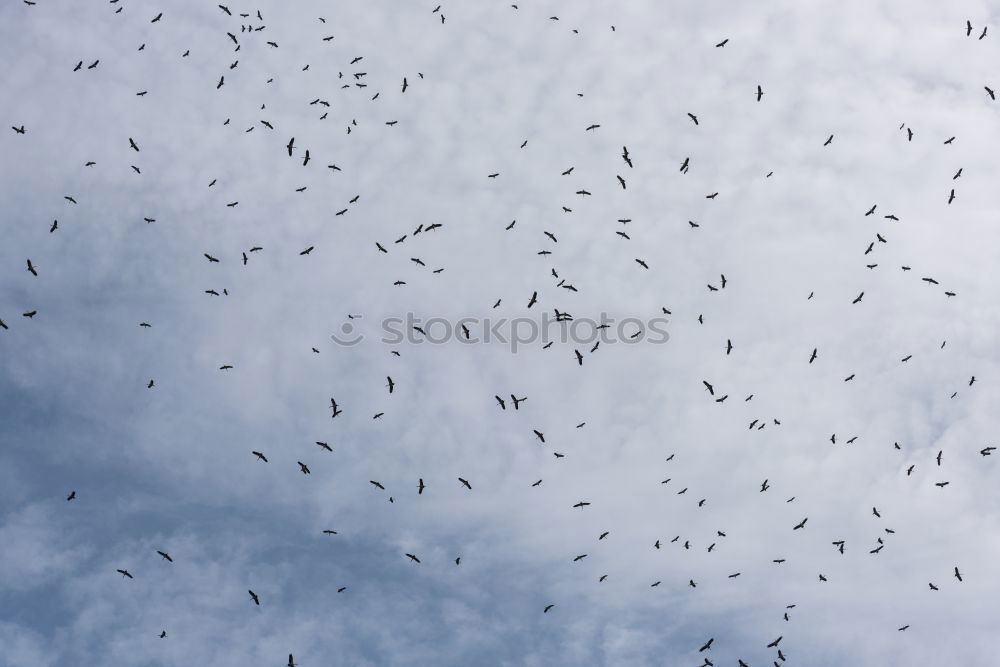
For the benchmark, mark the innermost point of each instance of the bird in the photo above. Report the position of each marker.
(31, 269)
(547, 608)
(165, 556)
(18, 130)
(125, 574)
(707, 645)
(420, 486)
(335, 408)
(260, 456)
(760, 92)
(304, 468)
(465, 483)
(801, 524)
(253, 596)
(413, 558)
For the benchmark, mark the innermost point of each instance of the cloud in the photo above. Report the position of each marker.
(170, 467)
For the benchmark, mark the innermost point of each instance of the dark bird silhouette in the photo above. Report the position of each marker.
(304, 468)
(125, 574)
(413, 558)
(260, 456)
(256, 600)
(465, 483)
(71, 496)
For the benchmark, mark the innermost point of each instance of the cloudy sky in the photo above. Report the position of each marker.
(170, 468)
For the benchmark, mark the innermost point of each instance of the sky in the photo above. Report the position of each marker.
(878, 441)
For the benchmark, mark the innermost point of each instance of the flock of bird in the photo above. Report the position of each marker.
(241, 29)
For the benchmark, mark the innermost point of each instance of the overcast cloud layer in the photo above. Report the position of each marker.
(169, 467)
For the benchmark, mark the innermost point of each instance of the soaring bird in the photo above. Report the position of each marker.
(253, 596)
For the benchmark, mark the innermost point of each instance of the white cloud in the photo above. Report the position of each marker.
(170, 467)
